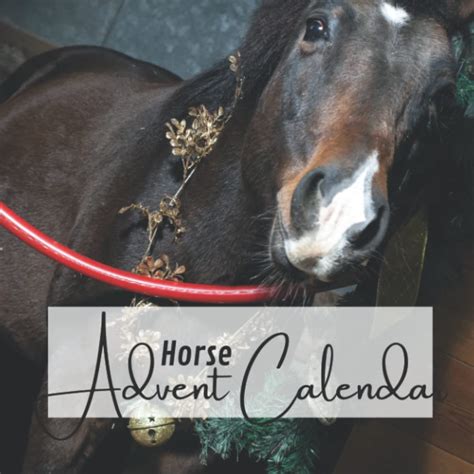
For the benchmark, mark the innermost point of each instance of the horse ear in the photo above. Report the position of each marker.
(462, 10)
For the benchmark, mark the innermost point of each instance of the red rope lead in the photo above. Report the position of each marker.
(202, 294)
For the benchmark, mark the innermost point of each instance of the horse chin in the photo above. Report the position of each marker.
(339, 276)
(283, 267)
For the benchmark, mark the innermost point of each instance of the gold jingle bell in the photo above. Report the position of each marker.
(152, 431)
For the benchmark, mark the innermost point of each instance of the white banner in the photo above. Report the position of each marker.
(240, 362)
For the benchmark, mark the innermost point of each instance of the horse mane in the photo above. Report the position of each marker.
(271, 29)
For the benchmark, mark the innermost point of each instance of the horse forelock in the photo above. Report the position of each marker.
(440, 10)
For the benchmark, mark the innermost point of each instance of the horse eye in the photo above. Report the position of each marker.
(316, 29)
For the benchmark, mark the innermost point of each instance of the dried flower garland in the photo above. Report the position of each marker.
(161, 269)
(194, 143)
(191, 143)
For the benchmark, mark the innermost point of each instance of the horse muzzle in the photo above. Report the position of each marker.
(338, 220)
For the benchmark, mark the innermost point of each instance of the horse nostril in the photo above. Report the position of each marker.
(308, 187)
(305, 199)
(315, 180)
(364, 237)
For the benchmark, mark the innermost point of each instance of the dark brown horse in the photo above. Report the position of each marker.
(326, 149)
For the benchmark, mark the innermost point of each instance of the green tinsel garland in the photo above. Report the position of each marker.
(292, 446)
(286, 446)
(465, 91)
(465, 84)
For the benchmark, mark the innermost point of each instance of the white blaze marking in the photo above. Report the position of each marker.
(394, 15)
(350, 206)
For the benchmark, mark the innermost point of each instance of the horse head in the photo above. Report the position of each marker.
(354, 82)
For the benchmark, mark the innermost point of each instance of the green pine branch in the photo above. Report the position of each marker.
(286, 446)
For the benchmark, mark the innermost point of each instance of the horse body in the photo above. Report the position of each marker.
(82, 136)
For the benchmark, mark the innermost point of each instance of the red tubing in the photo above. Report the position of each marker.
(202, 294)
